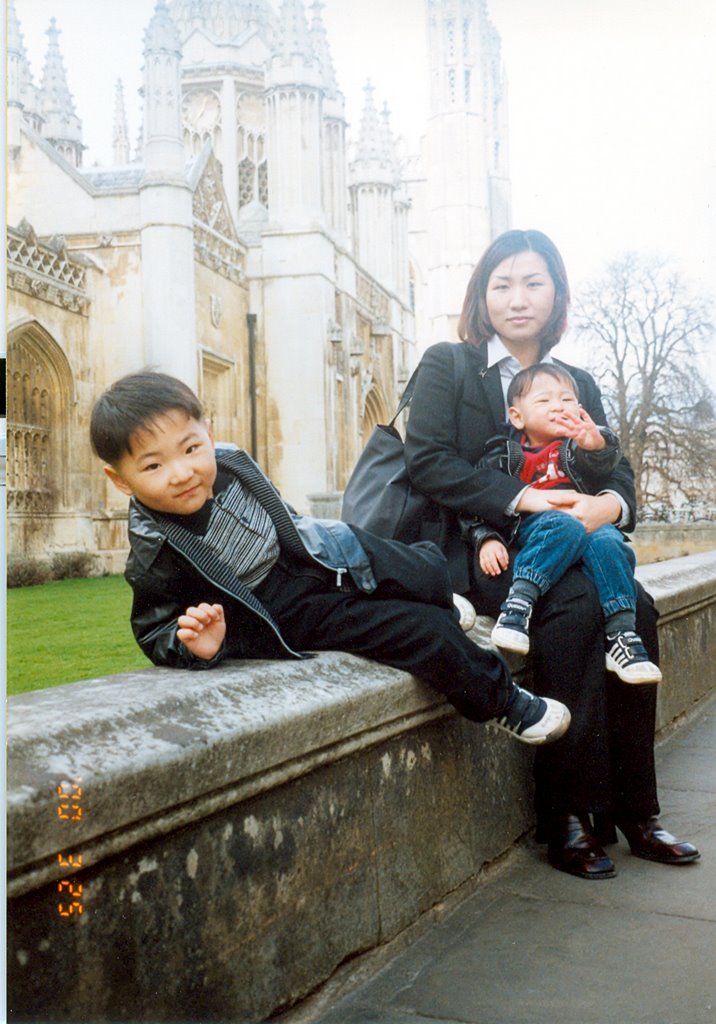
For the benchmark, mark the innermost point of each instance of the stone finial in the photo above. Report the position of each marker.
(161, 34)
(294, 38)
(120, 132)
(370, 145)
(62, 127)
(319, 40)
(21, 88)
(224, 20)
(390, 150)
(15, 42)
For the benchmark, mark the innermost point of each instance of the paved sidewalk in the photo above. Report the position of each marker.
(537, 946)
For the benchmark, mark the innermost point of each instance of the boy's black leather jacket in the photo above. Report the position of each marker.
(167, 575)
(586, 470)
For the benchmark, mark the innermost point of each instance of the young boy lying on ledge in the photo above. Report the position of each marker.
(221, 567)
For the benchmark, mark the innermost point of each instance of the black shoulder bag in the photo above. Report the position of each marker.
(379, 496)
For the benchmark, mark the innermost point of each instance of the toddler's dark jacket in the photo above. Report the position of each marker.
(587, 471)
(170, 570)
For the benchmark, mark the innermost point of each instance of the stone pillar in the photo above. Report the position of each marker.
(169, 313)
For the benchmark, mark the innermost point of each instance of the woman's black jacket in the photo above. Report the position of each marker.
(448, 429)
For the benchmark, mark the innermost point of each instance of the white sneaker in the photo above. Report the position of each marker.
(533, 719)
(627, 656)
(511, 631)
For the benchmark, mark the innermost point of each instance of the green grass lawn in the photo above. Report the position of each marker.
(68, 630)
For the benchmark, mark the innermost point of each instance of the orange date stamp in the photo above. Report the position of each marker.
(69, 808)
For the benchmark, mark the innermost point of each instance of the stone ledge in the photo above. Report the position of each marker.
(156, 749)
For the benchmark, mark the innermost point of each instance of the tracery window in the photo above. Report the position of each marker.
(29, 433)
(251, 149)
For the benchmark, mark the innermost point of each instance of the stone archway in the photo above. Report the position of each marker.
(40, 394)
(374, 412)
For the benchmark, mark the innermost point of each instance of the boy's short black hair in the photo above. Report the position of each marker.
(132, 403)
(522, 381)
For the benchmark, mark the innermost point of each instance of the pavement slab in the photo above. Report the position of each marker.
(537, 946)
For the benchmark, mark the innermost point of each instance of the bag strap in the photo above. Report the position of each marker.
(407, 395)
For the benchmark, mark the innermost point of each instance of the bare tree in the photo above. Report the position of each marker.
(646, 334)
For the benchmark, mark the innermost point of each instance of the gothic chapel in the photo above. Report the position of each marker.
(292, 278)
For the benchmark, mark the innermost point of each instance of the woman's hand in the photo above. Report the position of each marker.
(493, 557)
(534, 499)
(202, 629)
(592, 510)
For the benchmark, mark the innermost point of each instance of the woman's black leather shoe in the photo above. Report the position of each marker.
(650, 840)
(572, 847)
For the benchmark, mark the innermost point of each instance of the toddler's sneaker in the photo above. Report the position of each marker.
(511, 630)
(533, 719)
(626, 655)
(467, 613)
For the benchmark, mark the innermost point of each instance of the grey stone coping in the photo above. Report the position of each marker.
(156, 749)
(680, 584)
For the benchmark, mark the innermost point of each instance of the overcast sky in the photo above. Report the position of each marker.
(612, 107)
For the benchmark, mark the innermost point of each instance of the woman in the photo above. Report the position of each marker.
(515, 312)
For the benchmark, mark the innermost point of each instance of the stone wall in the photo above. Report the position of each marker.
(212, 846)
(657, 542)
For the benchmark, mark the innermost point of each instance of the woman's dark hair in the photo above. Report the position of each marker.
(474, 324)
(132, 404)
(521, 383)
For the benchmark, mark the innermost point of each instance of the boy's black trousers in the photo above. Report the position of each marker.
(423, 639)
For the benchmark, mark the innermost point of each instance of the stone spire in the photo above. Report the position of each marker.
(163, 143)
(62, 127)
(373, 182)
(161, 35)
(390, 151)
(120, 132)
(294, 37)
(372, 156)
(21, 92)
(319, 41)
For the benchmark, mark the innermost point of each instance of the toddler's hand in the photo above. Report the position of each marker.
(493, 557)
(202, 630)
(582, 429)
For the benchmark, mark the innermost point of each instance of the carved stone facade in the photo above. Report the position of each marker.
(237, 249)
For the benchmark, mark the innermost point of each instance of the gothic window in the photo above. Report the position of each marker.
(251, 149)
(466, 38)
(263, 183)
(451, 84)
(36, 423)
(450, 34)
(247, 175)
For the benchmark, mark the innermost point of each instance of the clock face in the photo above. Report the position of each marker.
(202, 110)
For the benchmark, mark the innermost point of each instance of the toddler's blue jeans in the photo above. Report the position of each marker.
(550, 542)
